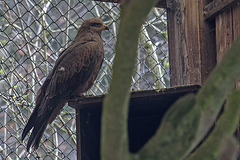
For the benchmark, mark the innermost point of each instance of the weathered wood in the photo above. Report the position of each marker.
(227, 30)
(236, 21)
(91, 101)
(217, 7)
(78, 134)
(191, 43)
(160, 4)
(112, 1)
(236, 33)
(207, 44)
(224, 36)
(183, 32)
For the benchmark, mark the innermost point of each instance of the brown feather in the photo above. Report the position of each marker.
(74, 73)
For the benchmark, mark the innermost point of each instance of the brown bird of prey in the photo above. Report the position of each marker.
(74, 73)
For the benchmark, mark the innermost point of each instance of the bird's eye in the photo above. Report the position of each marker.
(97, 25)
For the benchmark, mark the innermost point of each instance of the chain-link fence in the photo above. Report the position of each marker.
(32, 34)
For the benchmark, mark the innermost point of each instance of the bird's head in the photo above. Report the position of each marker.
(94, 24)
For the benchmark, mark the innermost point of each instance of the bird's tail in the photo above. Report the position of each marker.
(30, 124)
(38, 125)
(37, 134)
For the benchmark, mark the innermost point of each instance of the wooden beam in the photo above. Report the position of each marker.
(112, 1)
(191, 43)
(78, 133)
(216, 7)
(227, 31)
(224, 33)
(160, 4)
(184, 45)
(208, 43)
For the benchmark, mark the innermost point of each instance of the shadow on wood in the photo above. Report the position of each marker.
(145, 113)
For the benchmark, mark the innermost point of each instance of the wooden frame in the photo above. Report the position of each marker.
(145, 113)
(217, 7)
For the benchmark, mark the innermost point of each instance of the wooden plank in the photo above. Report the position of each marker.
(183, 33)
(191, 43)
(236, 33)
(207, 44)
(91, 101)
(236, 21)
(78, 134)
(224, 36)
(160, 4)
(227, 30)
(217, 7)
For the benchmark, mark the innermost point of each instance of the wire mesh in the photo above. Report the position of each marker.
(32, 35)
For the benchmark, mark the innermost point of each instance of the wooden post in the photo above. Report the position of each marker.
(191, 43)
(207, 40)
(236, 30)
(227, 30)
(78, 133)
(224, 33)
(217, 7)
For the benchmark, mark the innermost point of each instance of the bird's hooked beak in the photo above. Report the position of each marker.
(105, 27)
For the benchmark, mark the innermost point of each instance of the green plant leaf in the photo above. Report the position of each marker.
(3, 42)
